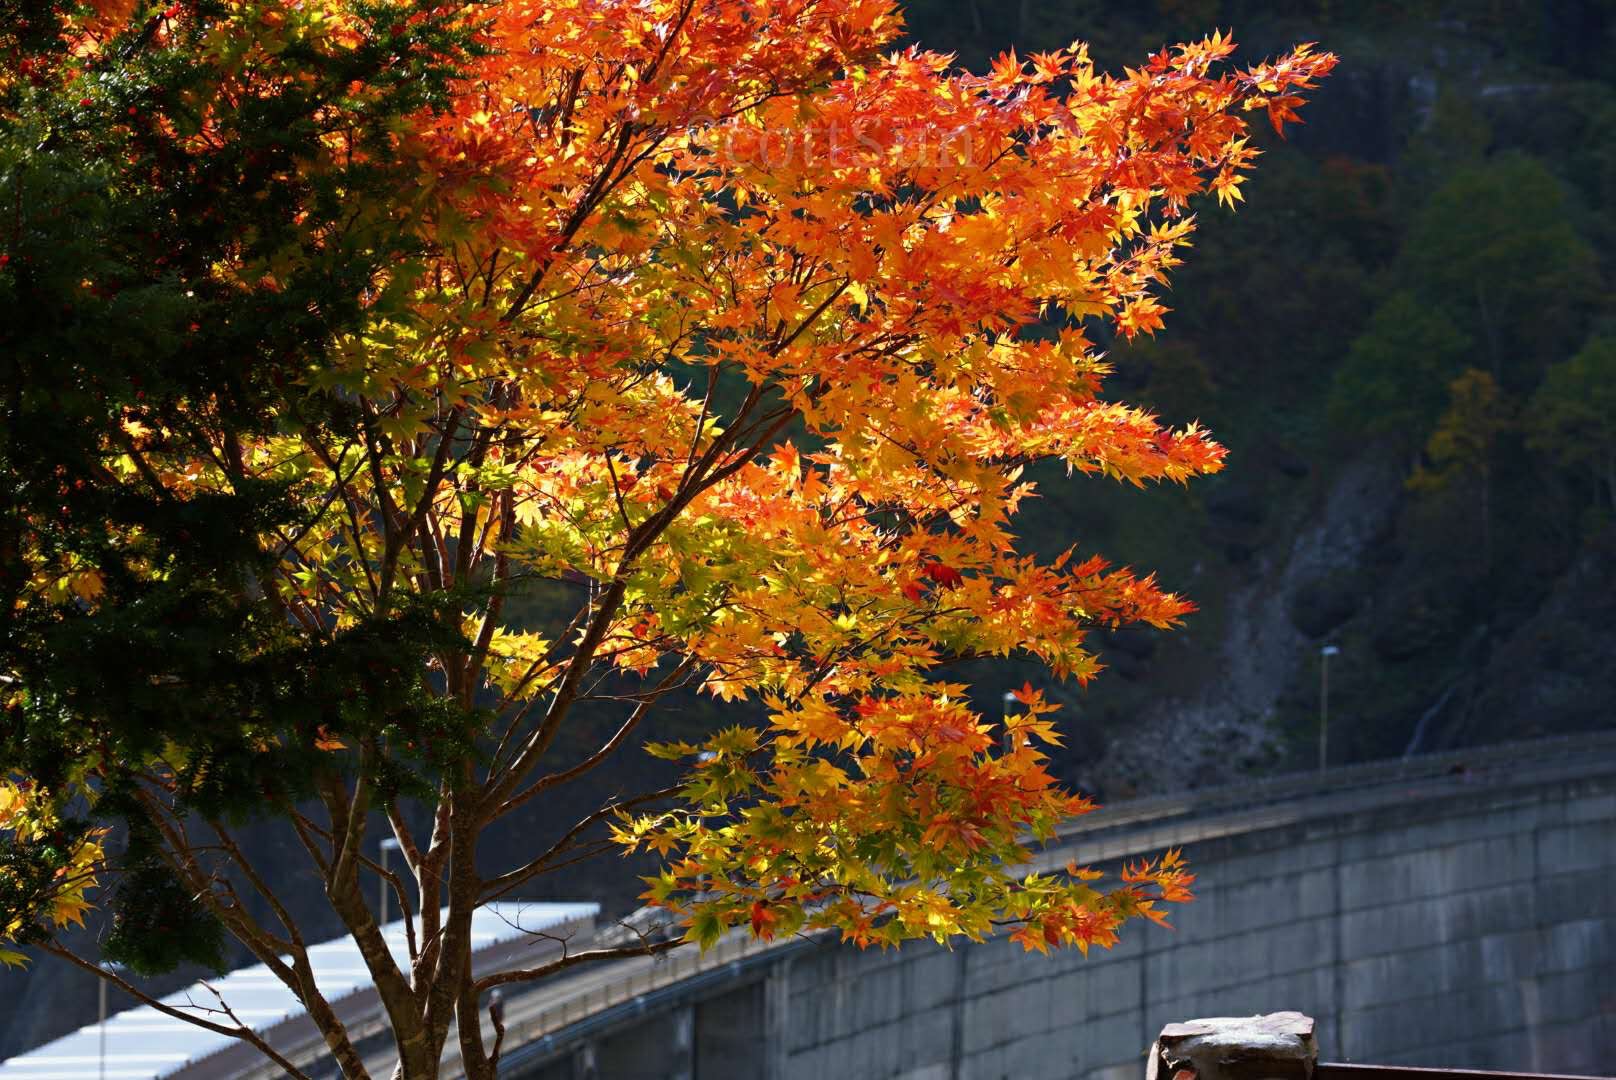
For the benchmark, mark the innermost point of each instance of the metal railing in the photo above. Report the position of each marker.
(1329, 1070)
(1311, 783)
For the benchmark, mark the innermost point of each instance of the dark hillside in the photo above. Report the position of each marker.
(1405, 339)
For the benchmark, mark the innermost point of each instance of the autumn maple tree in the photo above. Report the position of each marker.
(337, 331)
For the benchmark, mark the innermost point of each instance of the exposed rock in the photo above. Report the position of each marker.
(1560, 675)
(1278, 1046)
(1323, 604)
(1229, 719)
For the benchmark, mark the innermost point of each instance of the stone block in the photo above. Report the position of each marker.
(1265, 856)
(1510, 955)
(1572, 945)
(1392, 879)
(1566, 1048)
(999, 964)
(1025, 1011)
(1311, 992)
(1393, 1029)
(1135, 941)
(1254, 904)
(877, 1051)
(802, 1018)
(1034, 1058)
(1316, 893)
(809, 1064)
(984, 1018)
(1584, 846)
(1565, 996)
(829, 1012)
(1578, 895)
(1599, 808)
(1240, 959)
(1117, 1040)
(1198, 921)
(1123, 1071)
(1236, 907)
(876, 997)
(925, 1037)
(931, 977)
(1414, 828)
(939, 1071)
(1114, 988)
(988, 1064)
(836, 1057)
(1178, 972)
(814, 967)
(1437, 920)
(1393, 977)
(1067, 995)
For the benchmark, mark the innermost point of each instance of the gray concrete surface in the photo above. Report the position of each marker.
(1464, 920)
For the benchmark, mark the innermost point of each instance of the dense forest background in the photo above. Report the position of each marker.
(1406, 337)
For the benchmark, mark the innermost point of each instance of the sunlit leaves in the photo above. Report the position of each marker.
(47, 866)
(710, 352)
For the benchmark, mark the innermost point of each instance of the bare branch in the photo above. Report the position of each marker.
(567, 960)
(494, 888)
(240, 1031)
(666, 685)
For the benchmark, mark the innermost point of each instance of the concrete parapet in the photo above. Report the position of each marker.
(1472, 926)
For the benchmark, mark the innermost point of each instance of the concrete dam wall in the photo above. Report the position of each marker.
(1461, 912)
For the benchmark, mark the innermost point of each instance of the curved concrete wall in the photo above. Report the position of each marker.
(1465, 921)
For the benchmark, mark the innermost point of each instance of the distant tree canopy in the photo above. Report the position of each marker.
(1572, 416)
(1463, 180)
(1394, 382)
(1497, 250)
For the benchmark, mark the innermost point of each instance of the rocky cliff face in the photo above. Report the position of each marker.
(1226, 726)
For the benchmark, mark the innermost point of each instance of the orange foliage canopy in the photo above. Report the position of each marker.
(899, 258)
(743, 331)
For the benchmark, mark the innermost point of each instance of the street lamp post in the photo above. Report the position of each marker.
(389, 844)
(1324, 703)
(101, 1011)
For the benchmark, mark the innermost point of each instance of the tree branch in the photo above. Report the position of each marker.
(494, 888)
(241, 1031)
(567, 960)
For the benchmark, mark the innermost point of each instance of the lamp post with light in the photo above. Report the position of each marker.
(1324, 703)
(101, 1023)
(389, 844)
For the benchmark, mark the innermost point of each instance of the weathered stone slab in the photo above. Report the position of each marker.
(1277, 1046)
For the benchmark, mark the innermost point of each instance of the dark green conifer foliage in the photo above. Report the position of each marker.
(110, 316)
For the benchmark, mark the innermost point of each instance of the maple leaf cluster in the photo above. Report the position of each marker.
(719, 322)
(49, 867)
